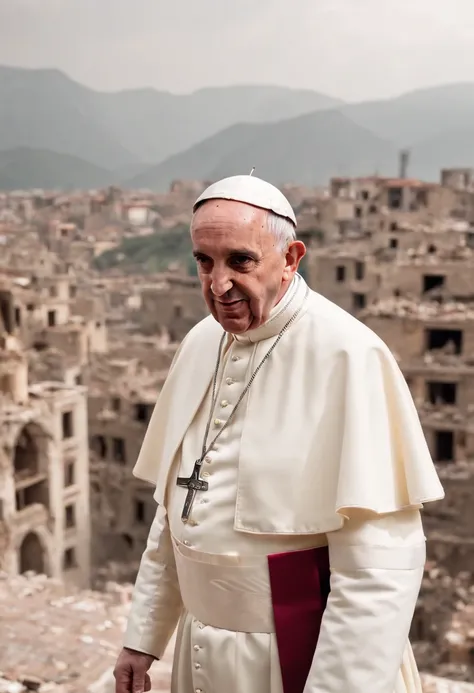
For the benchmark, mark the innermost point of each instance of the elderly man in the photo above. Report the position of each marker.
(290, 469)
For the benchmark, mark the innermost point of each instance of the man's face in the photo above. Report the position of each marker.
(243, 274)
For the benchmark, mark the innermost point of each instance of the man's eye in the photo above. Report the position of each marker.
(240, 259)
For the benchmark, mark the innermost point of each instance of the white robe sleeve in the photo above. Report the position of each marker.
(377, 567)
(156, 602)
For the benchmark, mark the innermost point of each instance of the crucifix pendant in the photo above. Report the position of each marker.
(193, 484)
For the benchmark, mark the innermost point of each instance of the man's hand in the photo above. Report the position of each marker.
(131, 671)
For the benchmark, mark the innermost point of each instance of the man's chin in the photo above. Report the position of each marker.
(235, 324)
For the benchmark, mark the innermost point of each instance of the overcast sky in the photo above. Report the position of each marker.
(355, 49)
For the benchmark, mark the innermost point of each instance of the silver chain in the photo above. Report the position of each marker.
(206, 448)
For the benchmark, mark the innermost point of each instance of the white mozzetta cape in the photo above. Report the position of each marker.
(330, 425)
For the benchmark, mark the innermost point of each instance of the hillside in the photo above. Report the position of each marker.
(418, 115)
(39, 168)
(148, 254)
(436, 124)
(307, 150)
(45, 109)
(146, 138)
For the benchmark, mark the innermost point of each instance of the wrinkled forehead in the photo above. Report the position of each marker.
(230, 222)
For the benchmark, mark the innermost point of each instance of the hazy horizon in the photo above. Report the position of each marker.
(175, 92)
(356, 50)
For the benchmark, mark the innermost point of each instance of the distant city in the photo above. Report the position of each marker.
(98, 287)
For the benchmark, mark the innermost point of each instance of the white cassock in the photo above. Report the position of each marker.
(325, 449)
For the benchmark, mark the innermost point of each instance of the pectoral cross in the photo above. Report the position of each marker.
(193, 484)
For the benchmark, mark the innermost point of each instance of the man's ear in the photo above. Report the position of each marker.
(293, 256)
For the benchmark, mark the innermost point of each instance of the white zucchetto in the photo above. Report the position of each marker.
(251, 190)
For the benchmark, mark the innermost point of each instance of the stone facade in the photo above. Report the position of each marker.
(44, 478)
(83, 356)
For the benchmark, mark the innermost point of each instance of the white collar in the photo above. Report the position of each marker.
(279, 315)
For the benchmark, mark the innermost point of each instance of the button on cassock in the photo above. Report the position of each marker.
(218, 422)
(229, 381)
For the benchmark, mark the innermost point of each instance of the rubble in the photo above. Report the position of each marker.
(59, 640)
(84, 354)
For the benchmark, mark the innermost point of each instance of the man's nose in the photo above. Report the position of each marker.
(221, 282)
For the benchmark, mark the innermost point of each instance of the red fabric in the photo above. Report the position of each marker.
(299, 583)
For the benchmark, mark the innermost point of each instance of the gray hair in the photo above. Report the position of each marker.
(282, 228)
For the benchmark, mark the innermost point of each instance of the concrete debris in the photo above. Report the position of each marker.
(85, 348)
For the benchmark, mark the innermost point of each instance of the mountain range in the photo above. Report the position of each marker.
(55, 132)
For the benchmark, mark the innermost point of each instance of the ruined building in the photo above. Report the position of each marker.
(84, 354)
(44, 464)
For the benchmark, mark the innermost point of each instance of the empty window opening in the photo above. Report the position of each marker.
(140, 512)
(142, 412)
(433, 281)
(432, 248)
(69, 559)
(449, 340)
(17, 317)
(6, 311)
(116, 404)
(359, 301)
(69, 516)
(418, 630)
(395, 198)
(69, 474)
(340, 273)
(178, 311)
(358, 212)
(99, 446)
(394, 226)
(32, 495)
(118, 450)
(441, 393)
(359, 270)
(51, 318)
(26, 458)
(40, 345)
(365, 194)
(373, 209)
(421, 198)
(393, 243)
(67, 426)
(444, 446)
(128, 541)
